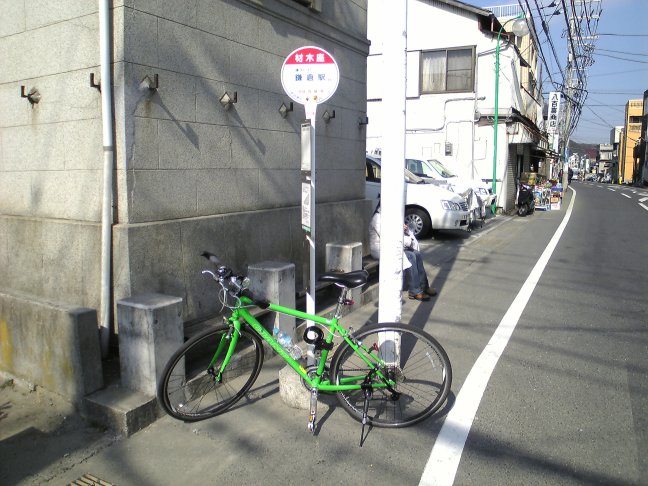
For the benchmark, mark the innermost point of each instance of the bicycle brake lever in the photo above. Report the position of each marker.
(209, 272)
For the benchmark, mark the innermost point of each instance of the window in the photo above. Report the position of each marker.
(372, 172)
(448, 70)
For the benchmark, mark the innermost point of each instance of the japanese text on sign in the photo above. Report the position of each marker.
(310, 75)
(554, 112)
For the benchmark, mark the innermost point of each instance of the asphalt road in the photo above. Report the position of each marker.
(567, 400)
(564, 403)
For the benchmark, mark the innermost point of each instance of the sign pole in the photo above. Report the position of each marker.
(308, 167)
(310, 76)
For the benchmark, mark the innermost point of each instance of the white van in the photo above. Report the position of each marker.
(427, 206)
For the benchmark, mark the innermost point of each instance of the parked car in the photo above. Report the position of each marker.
(434, 169)
(476, 193)
(428, 207)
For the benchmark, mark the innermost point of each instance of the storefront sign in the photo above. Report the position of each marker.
(554, 112)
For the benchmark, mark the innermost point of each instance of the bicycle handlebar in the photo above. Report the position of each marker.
(235, 285)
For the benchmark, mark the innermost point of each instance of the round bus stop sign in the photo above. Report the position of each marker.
(309, 75)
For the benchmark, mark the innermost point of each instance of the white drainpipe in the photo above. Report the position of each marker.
(109, 156)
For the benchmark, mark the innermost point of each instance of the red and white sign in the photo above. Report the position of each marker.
(310, 75)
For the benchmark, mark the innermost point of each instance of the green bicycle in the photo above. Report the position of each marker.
(385, 375)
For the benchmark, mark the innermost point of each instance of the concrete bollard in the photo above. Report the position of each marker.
(150, 331)
(275, 281)
(345, 257)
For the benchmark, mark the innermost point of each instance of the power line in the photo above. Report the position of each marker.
(622, 52)
(616, 73)
(622, 58)
(625, 35)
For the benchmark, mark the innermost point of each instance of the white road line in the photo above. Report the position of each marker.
(643, 199)
(643, 206)
(626, 196)
(443, 462)
(610, 189)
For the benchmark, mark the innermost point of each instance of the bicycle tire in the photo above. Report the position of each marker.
(423, 376)
(187, 391)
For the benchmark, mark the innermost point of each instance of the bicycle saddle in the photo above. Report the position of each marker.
(350, 280)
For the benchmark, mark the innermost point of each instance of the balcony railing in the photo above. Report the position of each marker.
(503, 11)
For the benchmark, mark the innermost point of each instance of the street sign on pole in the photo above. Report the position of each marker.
(309, 76)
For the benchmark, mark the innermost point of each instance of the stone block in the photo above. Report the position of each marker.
(51, 345)
(151, 201)
(150, 331)
(121, 409)
(345, 257)
(275, 281)
(13, 17)
(140, 37)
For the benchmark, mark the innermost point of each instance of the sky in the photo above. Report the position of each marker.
(620, 69)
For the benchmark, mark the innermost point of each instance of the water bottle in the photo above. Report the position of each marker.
(286, 342)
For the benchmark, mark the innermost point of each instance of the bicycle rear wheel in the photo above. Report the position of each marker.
(189, 390)
(413, 359)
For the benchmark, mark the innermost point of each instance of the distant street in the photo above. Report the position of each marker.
(566, 402)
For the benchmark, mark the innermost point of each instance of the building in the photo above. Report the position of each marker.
(642, 164)
(451, 92)
(630, 137)
(191, 172)
(605, 161)
(616, 137)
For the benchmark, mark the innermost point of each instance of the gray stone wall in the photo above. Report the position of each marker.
(189, 175)
(50, 152)
(193, 176)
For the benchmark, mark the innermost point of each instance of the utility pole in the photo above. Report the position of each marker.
(575, 39)
(569, 105)
(392, 186)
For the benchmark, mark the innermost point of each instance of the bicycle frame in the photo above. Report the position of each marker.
(241, 314)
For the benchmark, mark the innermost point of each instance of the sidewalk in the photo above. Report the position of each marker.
(260, 441)
(44, 440)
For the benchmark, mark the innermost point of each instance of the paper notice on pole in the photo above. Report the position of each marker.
(306, 206)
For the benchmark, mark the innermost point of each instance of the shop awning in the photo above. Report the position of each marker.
(520, 133)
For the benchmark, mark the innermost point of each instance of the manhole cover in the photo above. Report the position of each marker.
(90, 480)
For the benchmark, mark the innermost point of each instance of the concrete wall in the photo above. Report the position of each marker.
(190, 176)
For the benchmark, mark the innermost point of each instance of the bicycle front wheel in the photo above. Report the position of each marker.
(190, 389)
(412, 358)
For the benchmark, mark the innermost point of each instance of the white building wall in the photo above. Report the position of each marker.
(442, 126)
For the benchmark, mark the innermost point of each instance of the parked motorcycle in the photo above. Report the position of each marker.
(525, 200)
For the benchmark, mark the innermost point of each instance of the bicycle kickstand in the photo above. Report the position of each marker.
(313, 410)
(366, 387)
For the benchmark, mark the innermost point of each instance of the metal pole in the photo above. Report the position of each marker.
(109, 155)
(496, 118)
